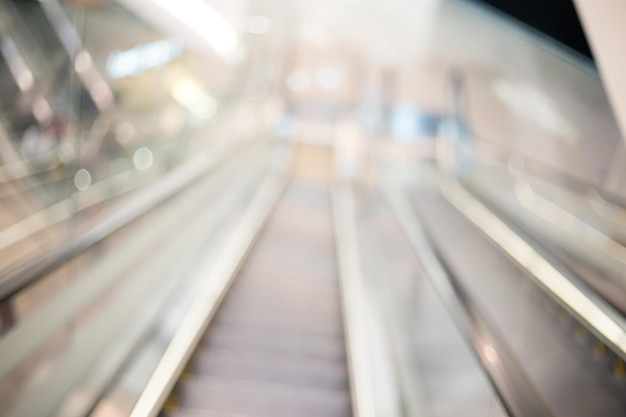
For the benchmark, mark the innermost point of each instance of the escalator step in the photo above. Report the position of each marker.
(260, 399)
(263, 340)
(278, 369)
(290, 284)
(327, 325)
(257, 298)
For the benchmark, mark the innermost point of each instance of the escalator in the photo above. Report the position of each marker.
(275, 346)
(575, 371)
(247, 268)
(129, 279)
(272, 336)
(562, 366)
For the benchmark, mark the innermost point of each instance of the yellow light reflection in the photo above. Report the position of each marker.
(193, 97)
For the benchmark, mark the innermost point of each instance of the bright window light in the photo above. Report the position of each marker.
(142, 58)
(201, 18)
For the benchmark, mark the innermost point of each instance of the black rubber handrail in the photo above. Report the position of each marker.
(38, 265)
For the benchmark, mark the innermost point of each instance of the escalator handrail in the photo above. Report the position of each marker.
(37, 266)
(589, 307)
(517, 394)
(63, 211)
(210, 295)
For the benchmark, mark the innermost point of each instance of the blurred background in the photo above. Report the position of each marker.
(294, 208)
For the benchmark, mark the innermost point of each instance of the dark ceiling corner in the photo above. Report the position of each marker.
(557, 19)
